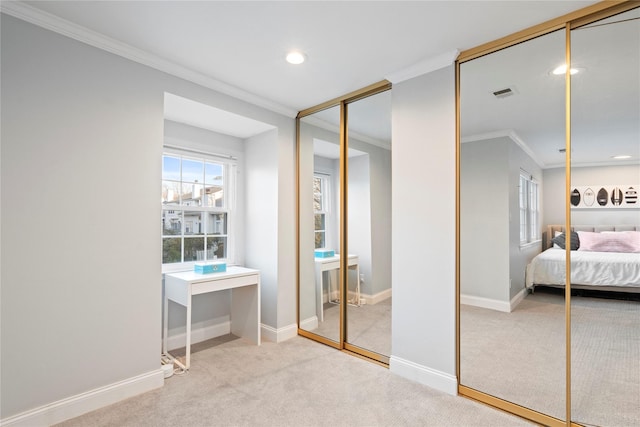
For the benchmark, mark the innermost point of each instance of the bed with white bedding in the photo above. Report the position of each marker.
(609, 259)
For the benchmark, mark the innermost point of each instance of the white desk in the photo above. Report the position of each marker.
(332, 263)
(245, 301)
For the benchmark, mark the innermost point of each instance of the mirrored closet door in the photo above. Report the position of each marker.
(512, 340)
(319, 224)
(605, 181)
(344, 188)
(549, 170)
(368, 319)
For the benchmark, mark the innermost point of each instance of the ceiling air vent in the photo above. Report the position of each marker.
(504, 93)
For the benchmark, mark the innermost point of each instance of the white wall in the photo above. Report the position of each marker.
(81, 285)
(554, 205)
(261, 171)
(423, 221)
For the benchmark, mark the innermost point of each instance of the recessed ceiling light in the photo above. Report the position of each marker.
(621, 157)
(296, 57)
(562, 69)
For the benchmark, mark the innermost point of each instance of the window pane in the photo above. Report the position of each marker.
(171, 250)
(192, 171)
(319, 222)
(171, 168)
(192, 194)
(214, 196)
(216, 247)
(171, 223)
(193, 223)
(318, 204)
(170, 192)
(193, 247)
(216, 223)
(213, 174)
(320, 242)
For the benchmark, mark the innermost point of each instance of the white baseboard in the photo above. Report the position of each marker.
(489, 303)
(494, 304)
(517, 299)
(376, 298)
(309, 324)
(430, 377)
(200, 332)
(279, 335)
(77, 405)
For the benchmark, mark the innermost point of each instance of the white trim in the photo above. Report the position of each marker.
(492, 304)
(82, 403)
(423, 67)
(280, 334)
(511, 134)
(58, 25)
(199, 332)
(309, 324)
(517, 299)
(424, 375)
(376, 298)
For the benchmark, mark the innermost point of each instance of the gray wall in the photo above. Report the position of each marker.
(423, 221)
(82, 135)
(492, 263)
(484, 218)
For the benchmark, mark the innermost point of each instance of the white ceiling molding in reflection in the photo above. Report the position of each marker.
(323, 124)
(511, 134)
(77, 32)
(423, 67)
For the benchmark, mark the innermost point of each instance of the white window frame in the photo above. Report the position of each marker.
(229, 205)
(529, 208)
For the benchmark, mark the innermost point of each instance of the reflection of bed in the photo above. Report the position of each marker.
(596, 270)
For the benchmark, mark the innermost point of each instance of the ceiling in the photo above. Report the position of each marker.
(238, 48)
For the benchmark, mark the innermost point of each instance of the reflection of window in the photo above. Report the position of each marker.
(320, 208)
(529, 209)
(195, 208)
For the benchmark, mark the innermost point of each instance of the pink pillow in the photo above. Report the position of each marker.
(622, 241)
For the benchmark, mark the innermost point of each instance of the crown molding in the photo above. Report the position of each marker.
(77, 32)
(423, 67)
(513, 136)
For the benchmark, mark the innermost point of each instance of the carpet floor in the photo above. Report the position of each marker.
(295, 383)
(520, 356)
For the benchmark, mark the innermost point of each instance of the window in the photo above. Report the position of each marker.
(529, 209)
(320, 209)
(195, 208)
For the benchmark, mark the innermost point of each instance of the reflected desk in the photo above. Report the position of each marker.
(333, 263)
(245, 301)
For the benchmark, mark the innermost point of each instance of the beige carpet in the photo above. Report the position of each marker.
(295, 383)
(520, 356)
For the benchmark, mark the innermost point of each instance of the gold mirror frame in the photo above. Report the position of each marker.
(342, 102)
(570, 21)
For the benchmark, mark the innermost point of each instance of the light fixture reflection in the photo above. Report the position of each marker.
(563, 69)
(621, 157)
(295, 57)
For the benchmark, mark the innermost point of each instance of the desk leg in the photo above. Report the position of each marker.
(188, 347)
(165, 328)
(319, 289)
(245, 313)
(358, 285)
